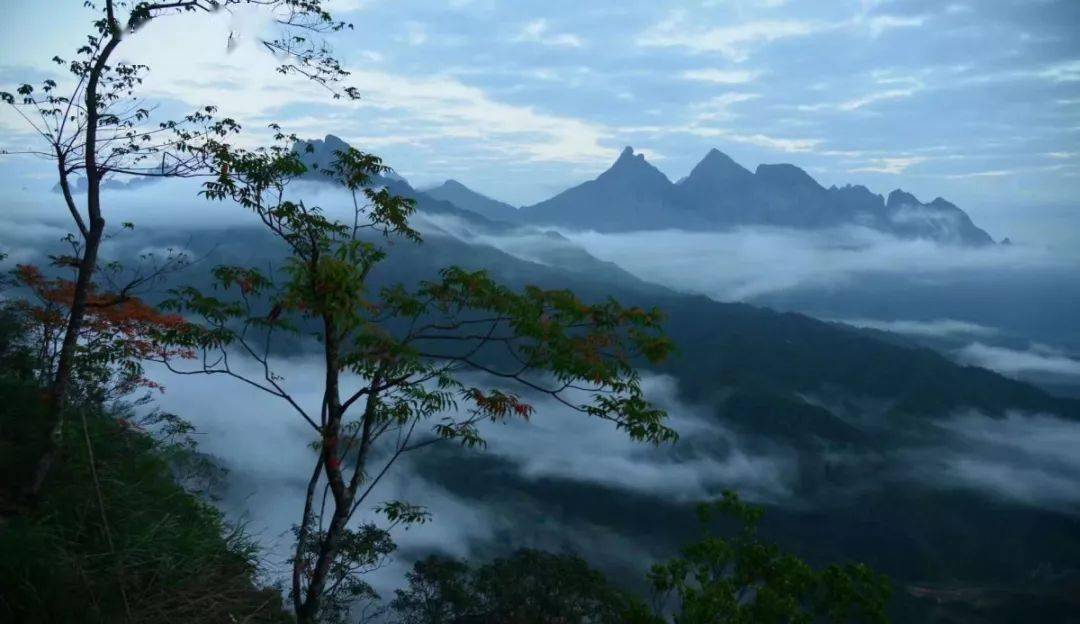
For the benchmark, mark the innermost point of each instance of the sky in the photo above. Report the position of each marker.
(976, 101)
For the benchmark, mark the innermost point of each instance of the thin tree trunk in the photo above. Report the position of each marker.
(87, 265)
(65, 362)
(327, 551)
(302, 538)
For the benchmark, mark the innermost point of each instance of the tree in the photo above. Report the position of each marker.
(528, 587)
(738, 580)
(101, 128)
(744, 580)
(117, 329)
(433, 361)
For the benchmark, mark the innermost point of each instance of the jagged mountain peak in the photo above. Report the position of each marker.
(716, 167)
(900, 197)
(628, 159)
(632, 169)
(785, 174)
(464, 197)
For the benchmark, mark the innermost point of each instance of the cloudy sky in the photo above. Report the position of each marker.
(975, 101)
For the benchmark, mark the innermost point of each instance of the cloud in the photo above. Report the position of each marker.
(747, 262)
(1068, 71)
(878, 24)
(415, 109)
(734, 42)
(1037, 360)
(719, 76)
(719, 107)
(738, 42)
(893, 87)
(538, 31)
(264, 445)
(1029, 458)
(345, 6)
(891, 165)
(877, 96)
(563, 444)
(934, 328)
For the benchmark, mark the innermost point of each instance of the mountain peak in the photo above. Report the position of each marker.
(900, 197)
(784, 174)
(464, 197)
(633, 169)
(628, 158)
(717, 167)
(335, 143)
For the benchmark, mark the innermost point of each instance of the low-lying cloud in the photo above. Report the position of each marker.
(1029, 458)
(1036, 360)
(937, 328)
(747, 262)
(265, 447)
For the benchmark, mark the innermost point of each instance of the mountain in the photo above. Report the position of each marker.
(631, 195)
(863, 422)
(719, 193)
(463, 197)
(319, 154)
(938, 220)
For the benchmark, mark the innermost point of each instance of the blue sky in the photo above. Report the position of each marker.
(976, 101)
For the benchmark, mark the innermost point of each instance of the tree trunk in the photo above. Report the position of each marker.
(87, 266)
(328, 549)
(66, 359)
(342, 495)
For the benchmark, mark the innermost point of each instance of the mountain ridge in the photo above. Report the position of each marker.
(720, 193)
(464, 197)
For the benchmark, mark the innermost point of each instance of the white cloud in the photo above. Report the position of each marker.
(345, 6)
(264, 446)
(771, 142)
(719, 76)
(891, 91)
(936, 327)
(739, 41)
(892, 165)
(1068, 71)
(1036, 360)
(747, 262)
(991, 173)
(719, 107)
(879, 24)
(416, 109)
(876, 96)
(538, 31)
(734, 42)
(1029, 458)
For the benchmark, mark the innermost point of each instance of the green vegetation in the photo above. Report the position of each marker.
(113, 536)
(529, 586)
(730, 575)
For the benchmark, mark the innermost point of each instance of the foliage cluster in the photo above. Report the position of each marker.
(114, 536)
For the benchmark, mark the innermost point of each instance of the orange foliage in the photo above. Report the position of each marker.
(122, 326)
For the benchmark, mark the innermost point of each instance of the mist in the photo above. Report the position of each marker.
(264, 446)
(1026, 458)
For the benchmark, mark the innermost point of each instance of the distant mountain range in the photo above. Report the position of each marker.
(718, 194)
(464, 197)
